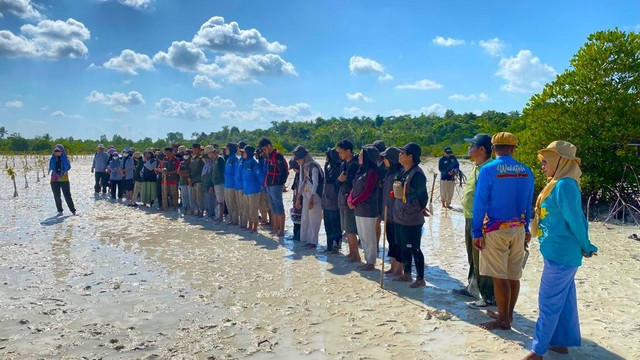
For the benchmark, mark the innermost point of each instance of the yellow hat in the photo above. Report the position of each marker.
(137, 155)
(504, 138)
(564, 149)
(208, 149)
(182, 148)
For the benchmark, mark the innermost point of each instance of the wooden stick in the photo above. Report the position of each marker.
(433, 186)
(384, 248)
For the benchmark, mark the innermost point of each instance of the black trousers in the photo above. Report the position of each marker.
(410, 237)
(395, 247)
(332, 229)
(102, 181)
(113, 184)
(65, 187)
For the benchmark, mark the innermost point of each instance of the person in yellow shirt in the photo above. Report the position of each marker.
(479, 286)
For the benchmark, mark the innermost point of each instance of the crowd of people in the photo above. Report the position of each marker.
(354, 192)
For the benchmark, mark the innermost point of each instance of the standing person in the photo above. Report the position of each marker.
(308, 198)
(137, 176)
(115, 175)
(479, 285)
(128, 168)
(59, 167)
(242, 216)
(410, 192)
(252, 178)
(230, 183)
(148, 194)
(392, 163)
(195, 172)
(169, 174)
(363, 199)
(276, 177)
(348, 170)
(563, 233)
(330, 209)
(185, 182)
(207, 185)
(381, 146)
(159, 166)
(265, 209)
(98, 167)
(501, 214)
(295, 213)
(218, 181)
(448, 167)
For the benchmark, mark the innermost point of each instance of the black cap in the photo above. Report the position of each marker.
(448, 150)
(392, 154)
(481, 140)
(293, 165)
(414, 150)
(195, 146)
(168, 148)
(299, 152)
(380, 145)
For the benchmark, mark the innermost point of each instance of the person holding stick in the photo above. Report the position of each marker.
(394, 168)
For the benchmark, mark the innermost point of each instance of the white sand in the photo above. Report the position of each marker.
(117, 282)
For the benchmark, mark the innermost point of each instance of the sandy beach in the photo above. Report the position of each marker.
(119, 282)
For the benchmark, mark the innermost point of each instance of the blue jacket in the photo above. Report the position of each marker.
(238, 174)
(565, 231)
(262, 162)
(115, 166)
(66, 166)
(100, 161)
(252, 176)
(129, 167)
(504, 193)
(230, 172)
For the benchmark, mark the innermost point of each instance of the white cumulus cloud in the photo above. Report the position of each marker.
(16, 104)
(493, 47)
(182, 55)
(291, 112)
(385, 77)
(363, 66)
(129, 61)
(358, 96)
(437, 109)
(217, 35)
(48, 39)
(447, 42)
(21, 8)
(201, 81)
(238, 69)
(524, 73)
(471, 97)
(424, 84)
(58, 114)
(199, 109)
(136, 4)
(242, 116)
(353, 110)
(116, 99)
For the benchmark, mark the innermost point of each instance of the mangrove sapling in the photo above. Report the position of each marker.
(12, 175)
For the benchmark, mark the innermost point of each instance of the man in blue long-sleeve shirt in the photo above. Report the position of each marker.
(99, 165)
(501, 213)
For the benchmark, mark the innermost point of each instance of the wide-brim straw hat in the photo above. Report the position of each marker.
(563, 149)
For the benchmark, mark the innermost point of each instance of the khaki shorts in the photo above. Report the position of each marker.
(252, 202)
(447, 188)
(503, 253)
(219, 191)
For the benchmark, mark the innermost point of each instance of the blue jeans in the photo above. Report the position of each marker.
(274, 193)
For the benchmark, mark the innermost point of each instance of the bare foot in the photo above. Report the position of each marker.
(404, 278)
(354, 259)
(559, 349)
(494, 315)
(418, 283)
(367, 267)
(389, 272)
(495, 325)
(533, 356)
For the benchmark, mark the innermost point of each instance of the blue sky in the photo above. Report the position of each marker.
(142, 68)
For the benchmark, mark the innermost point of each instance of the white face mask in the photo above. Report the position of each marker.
(186, 157)
(115, 157)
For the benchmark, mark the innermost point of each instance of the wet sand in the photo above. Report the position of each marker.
(117, 282)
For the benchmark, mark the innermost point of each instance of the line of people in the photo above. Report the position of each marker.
(353, 193)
